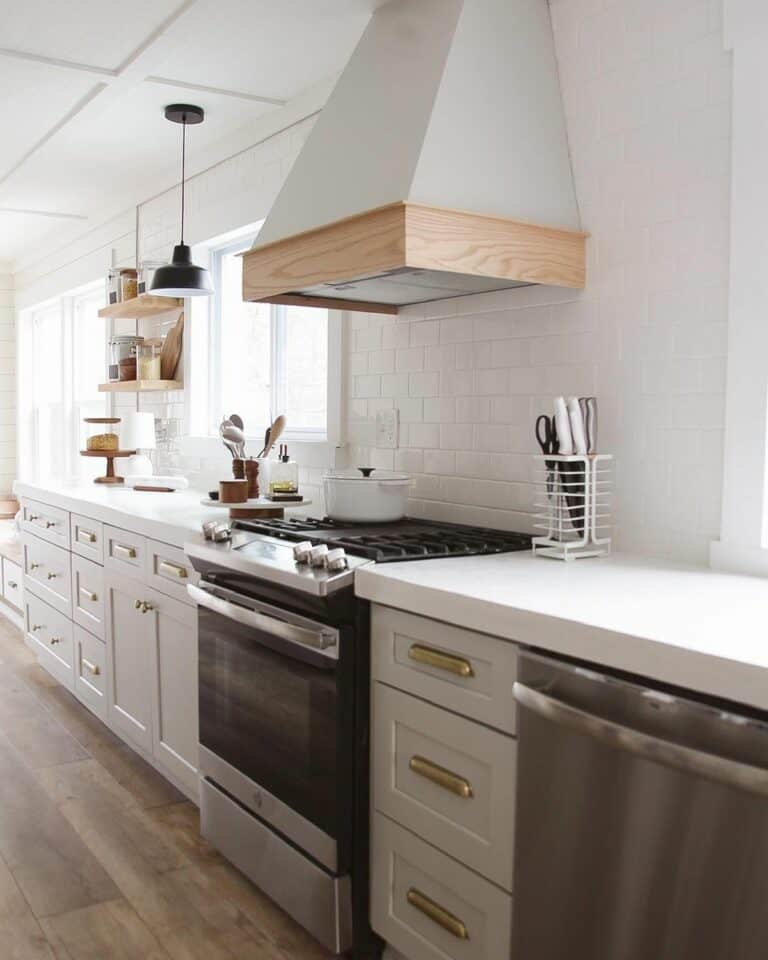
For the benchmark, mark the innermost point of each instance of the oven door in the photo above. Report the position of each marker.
(270, 715)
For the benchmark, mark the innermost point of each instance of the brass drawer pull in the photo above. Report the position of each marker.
(94, 668)
(13, 585)
(37, 626)
(441, 660)
(120, 550)
(439, 915)
(88, 595)
(143, 606)
(54, 640)
(442, 777)
(35, 566)
(52, 576)
(85, 536)
(49, 524)
(32, 517)
(172, 569)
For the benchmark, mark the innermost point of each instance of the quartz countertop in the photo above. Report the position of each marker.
(684, 625)
(168, 517)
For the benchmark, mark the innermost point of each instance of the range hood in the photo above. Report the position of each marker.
(438, 168)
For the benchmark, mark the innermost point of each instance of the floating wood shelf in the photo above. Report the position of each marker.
(406, 253)
(140, 307)
(139, 386)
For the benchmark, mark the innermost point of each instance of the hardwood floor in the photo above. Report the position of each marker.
(100, 857)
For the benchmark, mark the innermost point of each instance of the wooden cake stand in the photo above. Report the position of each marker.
(110, 456)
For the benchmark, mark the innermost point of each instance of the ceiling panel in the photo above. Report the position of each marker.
(41, 97)
(262, 47)
(122, 148)
(22, 232)
(101, 33)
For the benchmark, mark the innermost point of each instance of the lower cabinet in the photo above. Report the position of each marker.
(152, 692)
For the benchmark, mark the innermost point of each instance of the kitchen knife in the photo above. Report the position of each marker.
(577, 426)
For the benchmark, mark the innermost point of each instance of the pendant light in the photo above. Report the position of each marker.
(181, 278)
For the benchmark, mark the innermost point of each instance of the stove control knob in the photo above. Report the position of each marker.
(301, 551)
(336, 559)
(318, 555)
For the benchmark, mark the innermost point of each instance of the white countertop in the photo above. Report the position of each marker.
(169, 517)
(684, 625)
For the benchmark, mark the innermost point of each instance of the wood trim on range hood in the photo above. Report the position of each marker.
(403, 248)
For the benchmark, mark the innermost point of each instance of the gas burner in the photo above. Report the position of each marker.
(390, 542)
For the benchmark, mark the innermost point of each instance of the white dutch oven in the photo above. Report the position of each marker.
(366, 495)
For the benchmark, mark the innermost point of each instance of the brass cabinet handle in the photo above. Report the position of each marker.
(94, 668)
(12, 584)
(88, 595)
(442, 777)
(172, 569)
(52, 576)
(49, 524)
(120, 550)
(35, 566)
(36, 626)
(85, 536)
(143, 606)
(439, 915)
(32, 517)
(441, 660)
(54, 640)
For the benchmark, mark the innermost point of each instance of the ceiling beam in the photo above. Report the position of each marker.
(219, 91)
(53, 214)
(56, 62)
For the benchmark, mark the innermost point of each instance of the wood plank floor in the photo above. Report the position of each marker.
(100, 857)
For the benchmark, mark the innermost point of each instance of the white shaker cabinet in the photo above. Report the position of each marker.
(130, 643)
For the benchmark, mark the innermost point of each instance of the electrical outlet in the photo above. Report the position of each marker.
(387, 429)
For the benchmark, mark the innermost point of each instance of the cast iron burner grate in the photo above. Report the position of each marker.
(389, 542)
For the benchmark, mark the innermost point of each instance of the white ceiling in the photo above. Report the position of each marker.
(83, 127)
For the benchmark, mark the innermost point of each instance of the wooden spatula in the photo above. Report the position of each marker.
(171, 352)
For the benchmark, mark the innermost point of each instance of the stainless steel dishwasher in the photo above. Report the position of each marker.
(642, 821)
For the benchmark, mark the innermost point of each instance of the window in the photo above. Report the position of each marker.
(264, 359)
(62, 358)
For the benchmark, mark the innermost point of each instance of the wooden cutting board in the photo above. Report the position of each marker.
(171, 352)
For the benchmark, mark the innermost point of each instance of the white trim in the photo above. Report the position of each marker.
(744, 528)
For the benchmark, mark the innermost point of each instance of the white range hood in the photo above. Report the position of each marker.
(439, 167)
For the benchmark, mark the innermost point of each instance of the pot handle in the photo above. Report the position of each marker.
(366, 471)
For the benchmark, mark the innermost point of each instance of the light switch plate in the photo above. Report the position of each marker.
(387, 428)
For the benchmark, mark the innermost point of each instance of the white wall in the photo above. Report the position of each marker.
(7, 382)
(647, 98)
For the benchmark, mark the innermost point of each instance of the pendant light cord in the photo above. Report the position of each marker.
(183, 165)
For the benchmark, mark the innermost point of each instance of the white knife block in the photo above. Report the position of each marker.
(573, 505)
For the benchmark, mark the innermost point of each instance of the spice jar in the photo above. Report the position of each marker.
(122, 357)
(129, 284)
(148, 367)
(100, 434)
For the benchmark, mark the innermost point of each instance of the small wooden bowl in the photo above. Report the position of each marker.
(233, 491)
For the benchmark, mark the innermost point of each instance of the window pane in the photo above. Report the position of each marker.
(244, 344)
(49, 390)
(306, 367)
(88, 370)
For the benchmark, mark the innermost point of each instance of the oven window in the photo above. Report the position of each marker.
(271, 711)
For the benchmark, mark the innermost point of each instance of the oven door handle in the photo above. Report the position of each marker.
(316, 639)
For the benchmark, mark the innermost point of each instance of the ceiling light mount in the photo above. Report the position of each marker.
(181, 277)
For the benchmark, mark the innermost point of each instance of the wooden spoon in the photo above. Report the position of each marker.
(275, 432)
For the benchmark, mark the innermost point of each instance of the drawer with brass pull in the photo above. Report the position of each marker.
(125, 552)
(467, 672)
(49, 635)
(90, 671)
(449, 779)
(88, 595)
(49, 523)
(47, 572)
(169, 570)
(12, 583)
(430, 907)
(87, 537)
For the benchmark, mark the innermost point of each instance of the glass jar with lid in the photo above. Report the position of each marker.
(148, 367)
(101, 434)
(122, 357)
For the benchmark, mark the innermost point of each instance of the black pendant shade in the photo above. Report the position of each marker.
(181, 277)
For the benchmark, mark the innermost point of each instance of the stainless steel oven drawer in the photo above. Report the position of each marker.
(317, 900)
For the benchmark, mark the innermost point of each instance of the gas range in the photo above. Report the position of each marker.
(277, 550)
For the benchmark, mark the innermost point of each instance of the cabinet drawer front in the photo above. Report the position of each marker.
(47, 573)
(430, 907)
(50, 523)
(87, 537)
(12, 583)
(88, 595)
(125, 552)
(90, 669)
(50, 635)
(169, 571)
(450, 780)
(470, 673)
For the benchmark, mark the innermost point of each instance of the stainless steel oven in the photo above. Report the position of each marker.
(276, 753)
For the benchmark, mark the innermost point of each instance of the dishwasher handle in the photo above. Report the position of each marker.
(731, 773)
